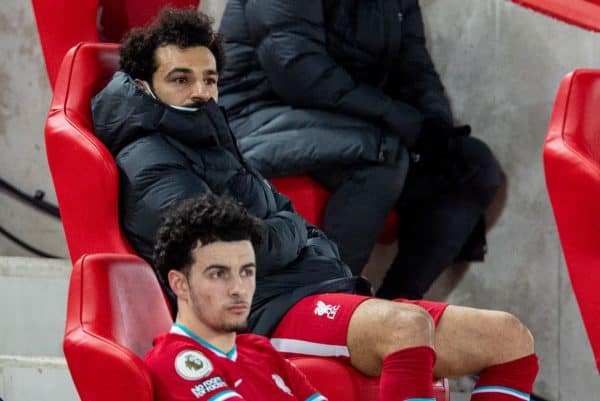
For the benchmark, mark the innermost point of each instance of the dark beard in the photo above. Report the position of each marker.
(238, 328)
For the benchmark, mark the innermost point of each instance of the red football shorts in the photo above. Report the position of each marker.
(318, 324)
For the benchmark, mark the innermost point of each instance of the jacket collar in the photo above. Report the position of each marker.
(123, 113)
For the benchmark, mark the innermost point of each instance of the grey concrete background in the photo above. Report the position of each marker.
(33, 307)
(501, 65)
(24, 100)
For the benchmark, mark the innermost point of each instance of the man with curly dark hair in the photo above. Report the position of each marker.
(205, 250)
(172, 142)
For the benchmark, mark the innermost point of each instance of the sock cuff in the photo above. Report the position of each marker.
(518, 374)
(422, 356)
(407, 375)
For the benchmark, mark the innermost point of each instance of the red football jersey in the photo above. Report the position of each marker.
(185, 367)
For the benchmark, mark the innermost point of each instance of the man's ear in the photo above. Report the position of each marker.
(141, 84)
(145, 87)
(179, 284)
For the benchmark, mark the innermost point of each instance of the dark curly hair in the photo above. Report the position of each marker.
(183, 28)
(207, 218)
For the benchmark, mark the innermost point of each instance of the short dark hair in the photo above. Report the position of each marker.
(183, 28)
(207, 218)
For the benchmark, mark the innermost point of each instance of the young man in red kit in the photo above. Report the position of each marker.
(205, 248)
(171, 141)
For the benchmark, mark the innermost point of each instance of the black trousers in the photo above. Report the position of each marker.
(441, 205)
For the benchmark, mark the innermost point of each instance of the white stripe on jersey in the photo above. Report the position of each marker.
(224, 395)
(309, 348)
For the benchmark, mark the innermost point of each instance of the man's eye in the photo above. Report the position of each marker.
(181, 80)
(217, 274)
(248, 272)
(210, 81)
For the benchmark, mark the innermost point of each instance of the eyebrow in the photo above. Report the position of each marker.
(217, 266)
(182, 70)
(179, 70)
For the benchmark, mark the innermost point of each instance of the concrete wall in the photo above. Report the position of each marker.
(24, 100)
(501, 65)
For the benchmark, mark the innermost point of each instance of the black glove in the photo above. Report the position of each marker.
(438, 140)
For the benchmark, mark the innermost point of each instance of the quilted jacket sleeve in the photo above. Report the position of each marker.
(285, 234)
(148, 188)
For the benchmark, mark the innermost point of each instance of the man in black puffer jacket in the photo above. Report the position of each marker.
(159, 117)
(346, 91)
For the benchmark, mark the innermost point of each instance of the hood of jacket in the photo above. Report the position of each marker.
(123, 113)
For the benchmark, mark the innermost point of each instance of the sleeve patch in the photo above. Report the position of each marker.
(192, 365)
(212, 384)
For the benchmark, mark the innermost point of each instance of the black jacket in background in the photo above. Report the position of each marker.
(165, 155)
(314, 83)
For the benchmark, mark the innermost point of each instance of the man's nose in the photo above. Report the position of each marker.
(237, 286)
(201, 92)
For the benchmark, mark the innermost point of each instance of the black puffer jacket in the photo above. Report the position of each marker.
(165, 155)
(312, 83)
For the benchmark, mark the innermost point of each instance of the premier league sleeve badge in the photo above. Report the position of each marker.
(192, 365)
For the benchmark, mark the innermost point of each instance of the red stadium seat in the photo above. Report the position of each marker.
(310, 200)
(114, 310)
(119, 16)
(84, 172)
(338, 382)
(106, 332)
(572, 169)
(64, 23)
(583, 13)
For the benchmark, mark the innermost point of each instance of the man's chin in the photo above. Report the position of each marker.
(237, 327)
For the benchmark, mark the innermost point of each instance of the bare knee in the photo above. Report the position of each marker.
(410, 327)
(390, 326)
(378, 328)
(518, 337)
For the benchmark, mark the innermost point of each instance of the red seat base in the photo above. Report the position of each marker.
(310, 200)
(350, 385)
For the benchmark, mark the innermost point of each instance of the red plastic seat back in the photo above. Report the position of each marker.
(84, 172)
(61, 25)
(572, 169)
(581, 129)
(114, 310)
(117, 17)
(64, 23)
